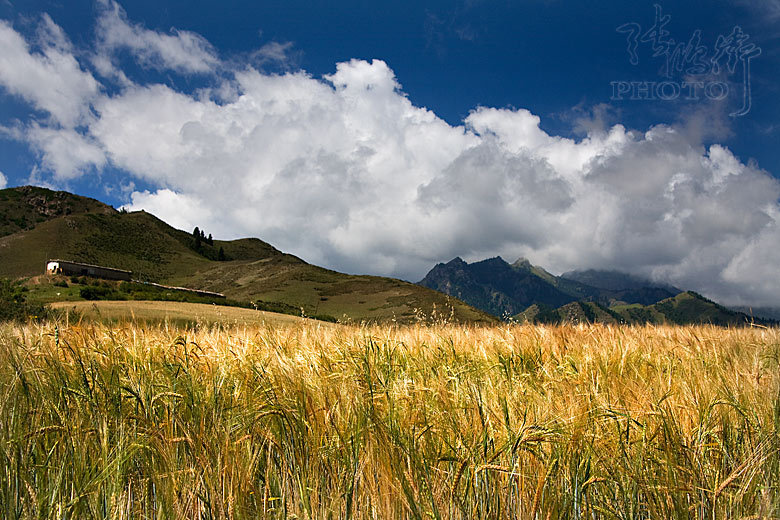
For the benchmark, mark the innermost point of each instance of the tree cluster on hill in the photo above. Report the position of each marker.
(199, 238)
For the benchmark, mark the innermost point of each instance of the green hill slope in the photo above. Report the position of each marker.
(683, 309)
(689, 306)
(134, 241)
(574, 312)
(95, 233)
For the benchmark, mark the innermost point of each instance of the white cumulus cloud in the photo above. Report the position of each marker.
(65, 152)
(179, 210)
(182, 51)
(3, 181)
(50, 79)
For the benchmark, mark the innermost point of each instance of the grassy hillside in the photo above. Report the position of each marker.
(253, 270)
(287, 279)
(24, 208)
(684, 309)
(574, 312)
(689, 305)
(179, 313)
(138, 242)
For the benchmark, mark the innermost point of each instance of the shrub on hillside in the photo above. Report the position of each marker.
(13, 304)
(100, 292)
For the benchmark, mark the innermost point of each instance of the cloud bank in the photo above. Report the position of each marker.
(345, 171)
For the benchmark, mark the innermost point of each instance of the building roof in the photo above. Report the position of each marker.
(82, 264)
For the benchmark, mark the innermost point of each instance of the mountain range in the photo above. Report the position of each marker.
(504, 289)
(528, 293)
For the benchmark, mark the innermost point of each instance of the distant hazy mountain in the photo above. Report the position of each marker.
(615, 280)
(530, 293)
(769, 313)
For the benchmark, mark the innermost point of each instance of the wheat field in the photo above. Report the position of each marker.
(444, 421)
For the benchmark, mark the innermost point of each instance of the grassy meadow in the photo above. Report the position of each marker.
(178, 314)
(310, 420)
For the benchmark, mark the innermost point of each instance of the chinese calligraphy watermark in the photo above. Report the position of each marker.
(688, 67)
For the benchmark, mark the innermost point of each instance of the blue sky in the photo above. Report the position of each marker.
(384, 138)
